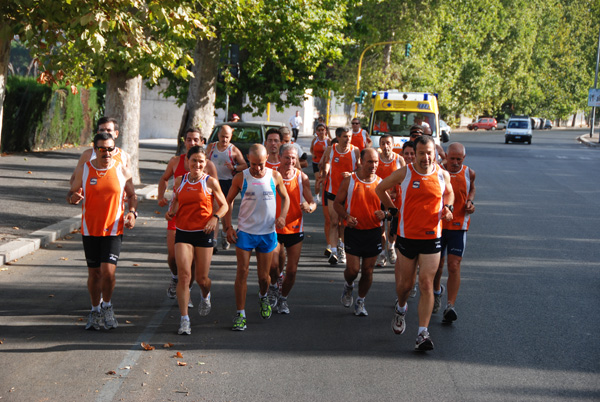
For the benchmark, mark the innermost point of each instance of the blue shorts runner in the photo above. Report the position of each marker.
(454, 242)
(262, 243)
(196, 239)
(291, 239)
(101, 249)
(364, 243)
(411, 248)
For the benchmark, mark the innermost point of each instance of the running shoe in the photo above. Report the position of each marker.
(273, 295)
(449, 314)
(94, 320)
(280, 284)
(215, 248)
(413, 291)
(327, 252)
(392, 257)
(437, 300)
(347, 298)
(190, 303)
(341, 255)
(398, 324)
(317, 199)
(282, 306)
(424, 341)
(109, 317)
(185, 328)
(172, 289)
(224, 243)
(333, 260)
(239, 322)
(359, 309)
(204, 307)
(265, 308)
(380, 260)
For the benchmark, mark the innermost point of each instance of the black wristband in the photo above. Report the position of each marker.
(134, 213)
(393, 211)
(216, 216)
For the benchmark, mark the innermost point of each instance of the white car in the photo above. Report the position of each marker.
(501, 125)
(519, 129)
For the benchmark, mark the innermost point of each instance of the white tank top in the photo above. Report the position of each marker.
(219, 158)
(258, 207)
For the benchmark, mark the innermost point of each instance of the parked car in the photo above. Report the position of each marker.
(501, 125)
(519, 129)
(548, 124)
(246, 133)
(485, 123)
(445, 129)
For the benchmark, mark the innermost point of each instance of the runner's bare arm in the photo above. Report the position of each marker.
(163, 183)
(309, 205)
(389, 182)
(285, 200)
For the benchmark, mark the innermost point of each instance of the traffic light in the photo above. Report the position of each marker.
(408, 46)
(360, 99)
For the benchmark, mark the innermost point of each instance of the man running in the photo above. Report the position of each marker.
(102, 184)
(291, 236)
(338, 162)
(426, 196)
(454, 233)
(229, 161)
(357, 203)
(272, 144)
(389, 161)
(256, 227)
(286, 138)
(360, 137)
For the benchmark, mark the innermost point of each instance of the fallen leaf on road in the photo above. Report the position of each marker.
(144, 384)
(147, 346)
(59, 246)
(168, 345)
(64, 258)
(1, 342)
(136, 265)
(29, 172)
(4, 269)
(50, 295)
(127, 322)
(80, 319)
(201, 363)
(111, 372)
(178, 355)
(49, 199)
(15, 228)
(126, 368)
(158, 212)
(69, 237)
(179, 363)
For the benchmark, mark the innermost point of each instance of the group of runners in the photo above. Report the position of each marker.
(374, 201)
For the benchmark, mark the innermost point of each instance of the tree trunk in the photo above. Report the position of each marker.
(199, 110)
(4, 60)
(123, 97)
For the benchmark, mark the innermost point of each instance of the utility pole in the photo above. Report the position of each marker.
(360, 66)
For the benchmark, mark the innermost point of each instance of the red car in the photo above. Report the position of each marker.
(485, 123)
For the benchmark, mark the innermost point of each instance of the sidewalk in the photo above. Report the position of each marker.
(34, 212)
(590, 141)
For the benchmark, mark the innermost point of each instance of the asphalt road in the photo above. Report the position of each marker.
(527, 329)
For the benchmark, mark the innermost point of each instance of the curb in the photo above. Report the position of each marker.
(586, 140)
(41, 238)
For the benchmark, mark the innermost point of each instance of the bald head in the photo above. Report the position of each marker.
(457, 147)
(225, 129)
(258, 151)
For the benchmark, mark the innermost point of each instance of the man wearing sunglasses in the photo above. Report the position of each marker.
(102, 184)
(360, 137)
(109, 126)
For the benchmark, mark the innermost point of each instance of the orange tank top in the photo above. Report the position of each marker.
(362, 202)
(294, 222)
(421, 204)
(104, 200)
(273, 166)
(318, 150)
(359, 139)
(461, 185)
(195, 204)
(338, 164)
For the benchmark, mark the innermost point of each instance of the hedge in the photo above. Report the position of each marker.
(41, 117)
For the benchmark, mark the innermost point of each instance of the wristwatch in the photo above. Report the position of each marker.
(216, 216)
(450, 207)
(134, 213)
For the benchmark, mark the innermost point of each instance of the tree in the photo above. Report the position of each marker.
(289, 47)
(118, 42)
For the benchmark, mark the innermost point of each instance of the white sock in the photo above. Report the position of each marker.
(421, 329)
(207, 296)
(106, 304)
(242, 312)
(334, 250)
(401, 309)
(96, 308)
(185, 318)
(174, 277)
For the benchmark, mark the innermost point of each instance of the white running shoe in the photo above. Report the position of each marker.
(185, 328)
(392, 257)
(273, 295)
(347, 298)
(398, 323)
(172, 289)
(204, 308)
(359, 308)
(380, 260)
(108, 315)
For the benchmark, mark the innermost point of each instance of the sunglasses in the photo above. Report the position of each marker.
(105, 149)
(416, 133)
(355, 122)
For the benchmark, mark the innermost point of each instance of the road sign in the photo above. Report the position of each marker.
(594, 97)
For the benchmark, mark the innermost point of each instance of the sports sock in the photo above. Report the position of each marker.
(174, 277)
(401, 309)
(421, 329)
(96, 308)
(334, 250)
(437, 292)
(106, 304)
(185, 318)
(207, 296)
(242, 312)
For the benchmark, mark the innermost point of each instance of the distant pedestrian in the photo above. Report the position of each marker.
(426, 197)
(102, 184)
(234, 118)
(257, 221)
(295, 124)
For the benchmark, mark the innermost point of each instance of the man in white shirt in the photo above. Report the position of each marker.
(295, 124)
